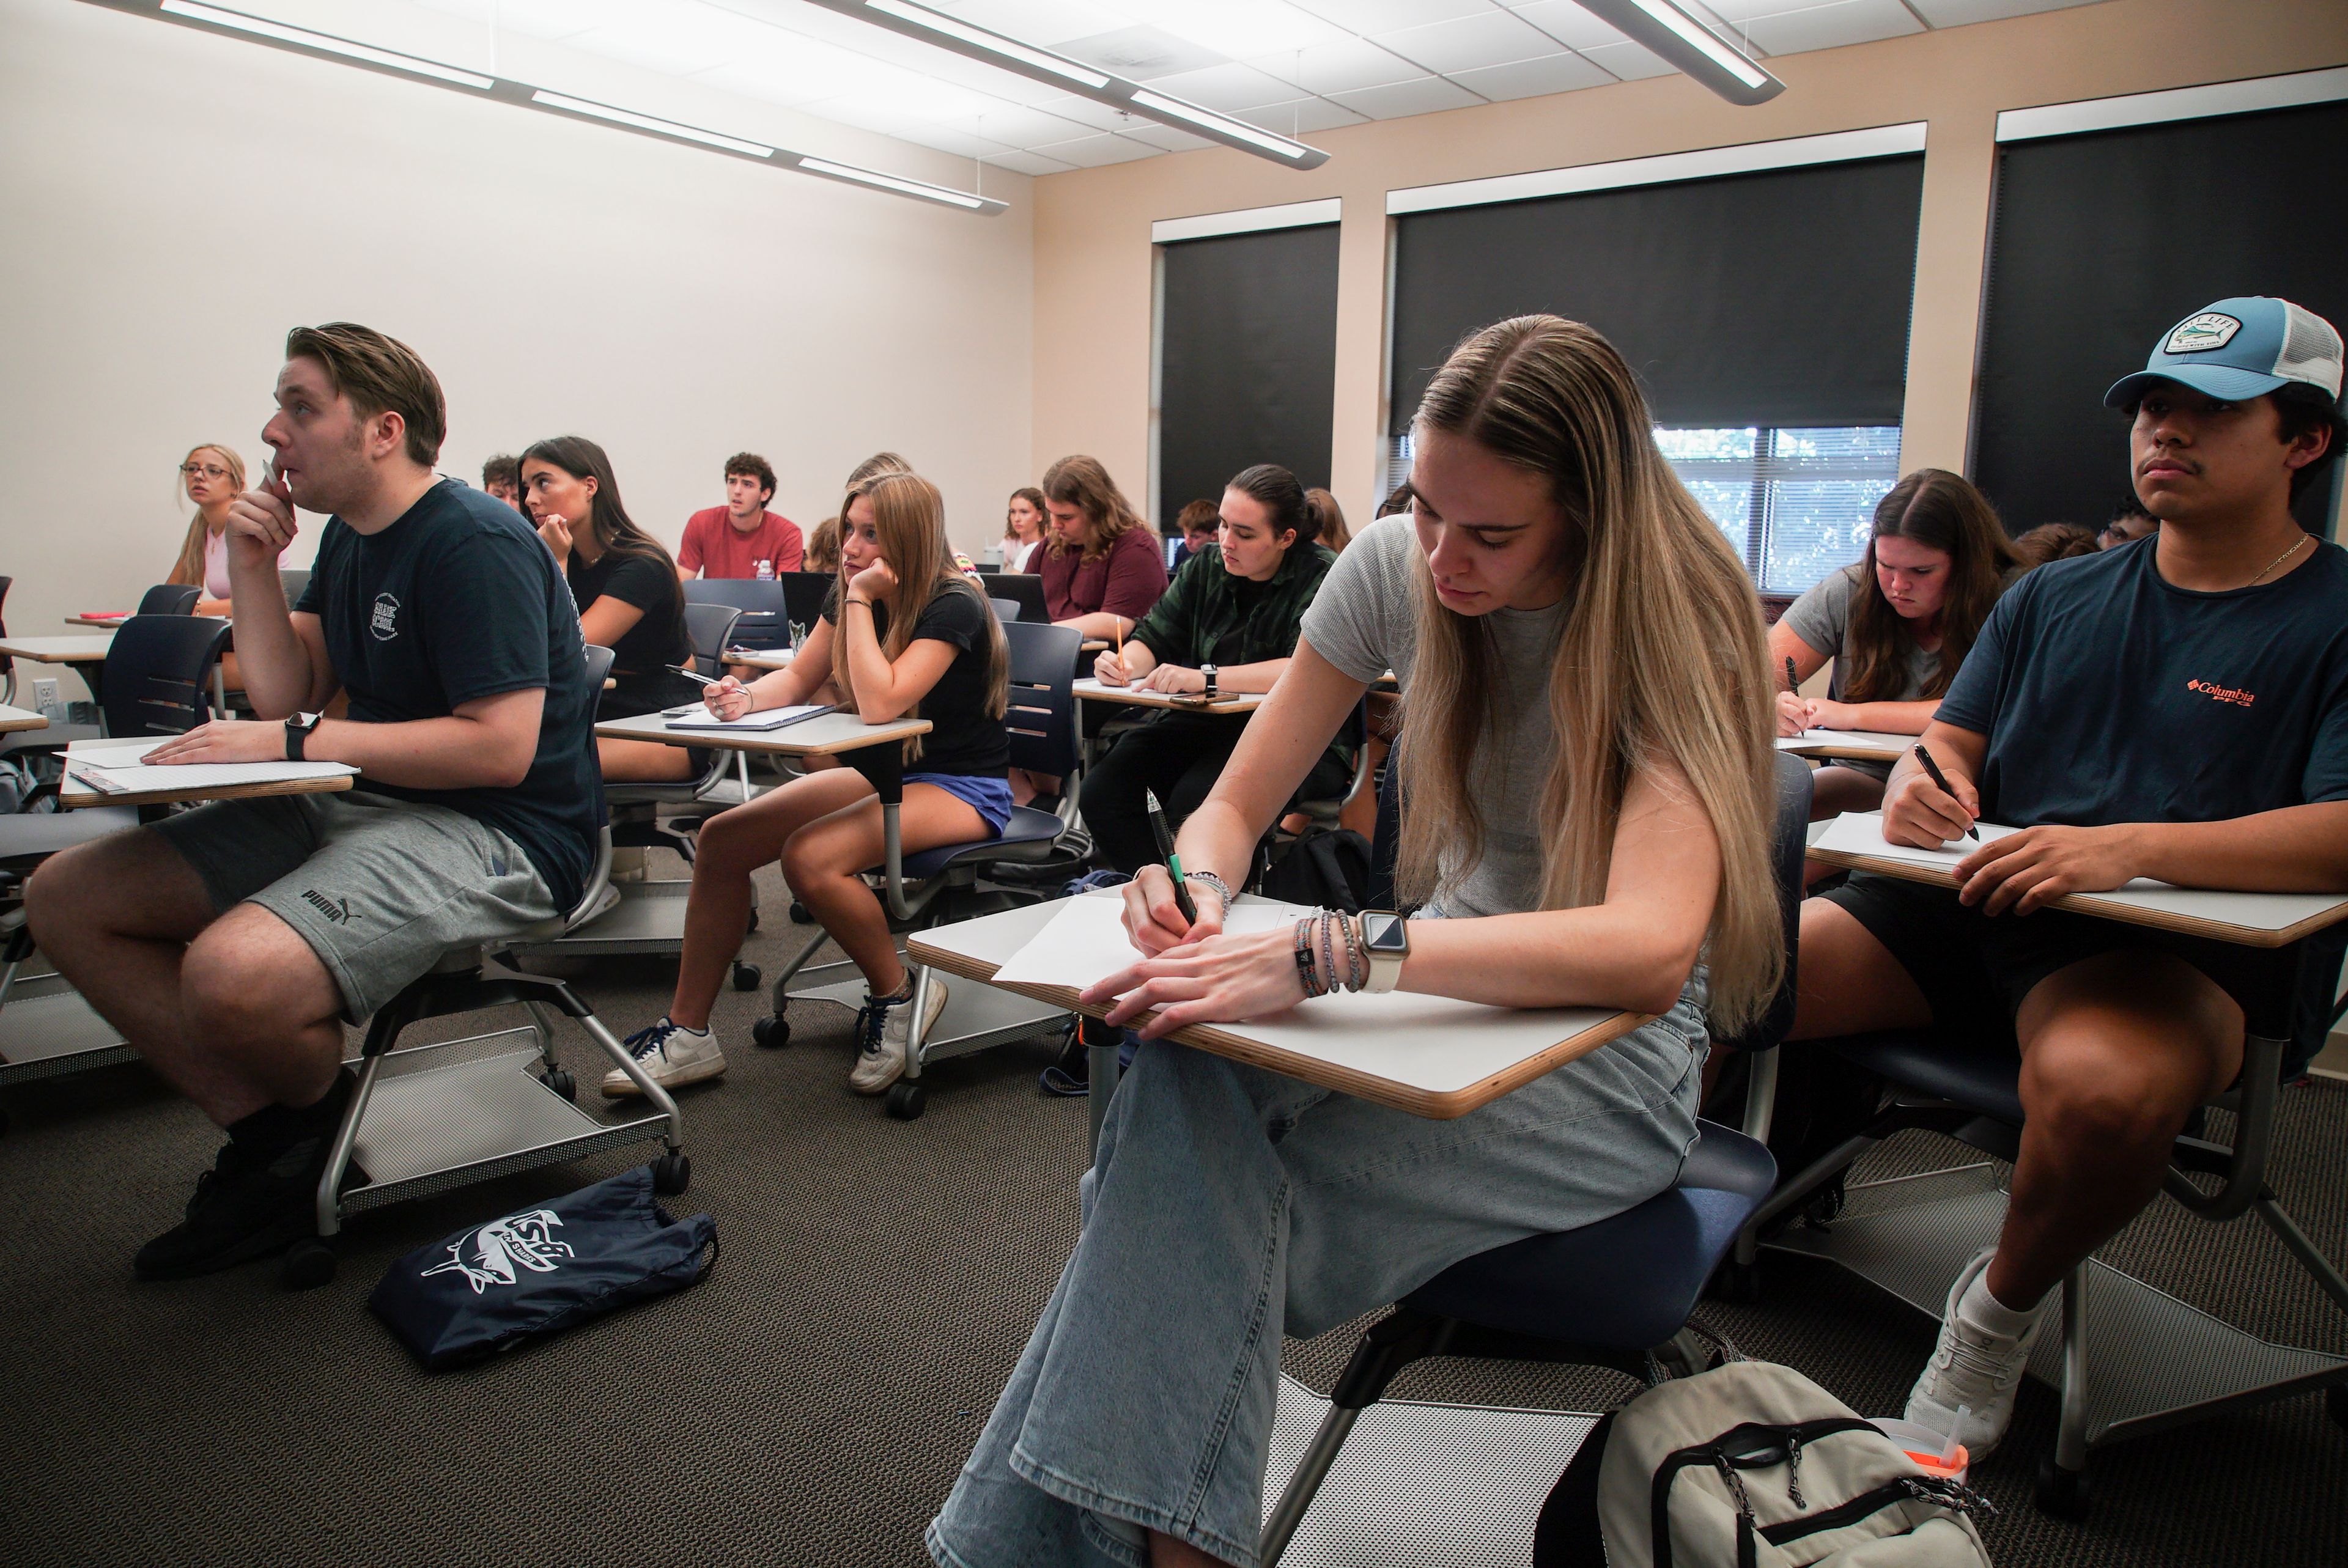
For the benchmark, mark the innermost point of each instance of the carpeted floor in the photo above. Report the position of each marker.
(810, 1402)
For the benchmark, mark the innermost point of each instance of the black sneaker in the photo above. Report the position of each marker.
(250, 1205)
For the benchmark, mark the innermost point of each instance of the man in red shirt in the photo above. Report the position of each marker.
(739, 538)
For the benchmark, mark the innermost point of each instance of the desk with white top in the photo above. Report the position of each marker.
(14, 719)
(1848, 745)
(1092, 690)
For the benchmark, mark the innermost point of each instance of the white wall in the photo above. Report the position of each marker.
(172, 202)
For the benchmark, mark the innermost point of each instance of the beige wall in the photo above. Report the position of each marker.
(174, 201)
(1092, 226)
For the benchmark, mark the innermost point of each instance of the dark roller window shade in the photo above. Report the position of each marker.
(1779, 298)
(1247, 362)
(2106, 241)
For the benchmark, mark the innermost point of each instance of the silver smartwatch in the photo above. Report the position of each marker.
(1386, 936)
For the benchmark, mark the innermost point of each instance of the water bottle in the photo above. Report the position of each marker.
(766, 571)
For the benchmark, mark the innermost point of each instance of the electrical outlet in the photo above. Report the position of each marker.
(45, 701)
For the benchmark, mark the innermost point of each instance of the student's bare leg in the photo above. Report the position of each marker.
(1834, 791)
(642, 762)
(2117, 1052)
(236, 1012)
(1848, 982)
(732, 846)
(822, 862)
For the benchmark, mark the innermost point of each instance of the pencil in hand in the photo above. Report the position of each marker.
(1933, 769)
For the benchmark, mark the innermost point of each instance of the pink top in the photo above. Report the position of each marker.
(216, 564)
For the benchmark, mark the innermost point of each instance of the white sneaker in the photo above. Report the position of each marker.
(886, 1032)
(671, 1055)
(1975, 1369)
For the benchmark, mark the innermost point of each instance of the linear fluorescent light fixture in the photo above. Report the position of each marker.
(521, 95)
(993, 48)
(1689, 43)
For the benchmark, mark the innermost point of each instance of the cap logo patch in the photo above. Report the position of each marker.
(2203, 333)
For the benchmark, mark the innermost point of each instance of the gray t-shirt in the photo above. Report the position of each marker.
(1363, 621)
(1821, 618)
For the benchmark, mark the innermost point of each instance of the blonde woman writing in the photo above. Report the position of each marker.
(1585, 765)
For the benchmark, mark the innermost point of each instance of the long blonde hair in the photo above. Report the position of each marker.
(1660, 660)
(190, 567)
(908, 519)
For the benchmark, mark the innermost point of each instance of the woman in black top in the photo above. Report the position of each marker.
(903, 634)
(629, 599)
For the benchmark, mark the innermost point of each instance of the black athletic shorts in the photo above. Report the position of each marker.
(1975, 968)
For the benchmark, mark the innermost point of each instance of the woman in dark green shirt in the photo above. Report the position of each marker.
(1235, 605)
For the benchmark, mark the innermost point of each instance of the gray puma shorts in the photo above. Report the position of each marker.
(380, 888)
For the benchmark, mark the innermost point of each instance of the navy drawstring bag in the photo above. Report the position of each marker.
(529, 1274)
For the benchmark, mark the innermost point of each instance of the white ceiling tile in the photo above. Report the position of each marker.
(1339, 68)
(1735, 11)
(1236, 28)
(1832, 26)
(1464, 42)
(1301, 117)
(1089, 112)
(672, 39)
(1227, 88)
(1027, 163)
(945, 135)
(1141, 53)
(1368, 17)
(1092, 151)
(1568, 22)
(1632, 62)
(1015, 125)
(1563, 72)
(1165, 136)
(1958, 12)
(1043, 22)
(1426, 96)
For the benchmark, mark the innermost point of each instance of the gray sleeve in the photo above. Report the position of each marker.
(1821, 617)
(1352, 620)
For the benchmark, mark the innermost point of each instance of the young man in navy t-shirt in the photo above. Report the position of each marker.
(229, 944)
(2176, 708)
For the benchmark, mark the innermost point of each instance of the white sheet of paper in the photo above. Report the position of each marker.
(1861, 832)
(120, 762)
(764, 719)
(1871, 740)
(1085, 942)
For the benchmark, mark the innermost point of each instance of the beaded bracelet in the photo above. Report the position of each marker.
(1223, 888)
(1357, 965)
(1328, 951)
(1304, 974)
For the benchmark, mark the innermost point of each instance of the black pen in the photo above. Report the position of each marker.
(1793, 682)
(1938, 777)
(1173, 860)
(692, 674)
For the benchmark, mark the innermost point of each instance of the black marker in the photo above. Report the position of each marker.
(1793, 682)
(1938, 777)
(1173, 860)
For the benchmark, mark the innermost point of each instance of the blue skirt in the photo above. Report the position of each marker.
(991, 798)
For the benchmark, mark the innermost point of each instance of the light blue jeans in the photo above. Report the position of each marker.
(1231, 1203)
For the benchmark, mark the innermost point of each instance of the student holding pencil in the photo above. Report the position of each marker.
(2177, 709)
(1586, 770)
(1897, 623)
(904, 633)
(1234, 610)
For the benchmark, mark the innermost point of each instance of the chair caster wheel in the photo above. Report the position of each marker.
(1739, 1284)
(773, 1031)
(559, 1080)
(754, 917)
(308, 1264)
(799, 915)
(2060, 1494)
(906, 1100)
(2336, 1398)
(671, 1174)
(746, 977)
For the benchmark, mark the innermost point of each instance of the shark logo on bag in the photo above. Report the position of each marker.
(503, 1249)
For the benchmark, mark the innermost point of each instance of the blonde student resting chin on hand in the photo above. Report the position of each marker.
(905, 634)
(1136, 1425)
(1898, 624)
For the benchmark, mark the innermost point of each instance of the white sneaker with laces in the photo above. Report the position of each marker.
(1971, 1381)
(672, 1056)
(887, 1035)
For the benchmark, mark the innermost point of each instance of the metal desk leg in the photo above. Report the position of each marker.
(1101, 1044)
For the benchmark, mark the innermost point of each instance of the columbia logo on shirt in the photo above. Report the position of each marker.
(384, 621)
(2218, 693)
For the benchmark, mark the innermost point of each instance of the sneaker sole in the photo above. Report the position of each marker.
(695, 1073)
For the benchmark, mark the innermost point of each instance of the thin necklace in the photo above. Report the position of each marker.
(2277, 562)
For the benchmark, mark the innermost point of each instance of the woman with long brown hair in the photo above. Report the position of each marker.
(1024, 523)
(1897, 623)
(904, 632)
(1101, 564)
(629, 599)
(1586, 767)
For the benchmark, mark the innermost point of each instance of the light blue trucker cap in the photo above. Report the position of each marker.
(2240, 348)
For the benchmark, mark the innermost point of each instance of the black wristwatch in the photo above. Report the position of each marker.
(298, 727)
(1208, 672)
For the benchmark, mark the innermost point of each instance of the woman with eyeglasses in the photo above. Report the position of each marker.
(213, 476)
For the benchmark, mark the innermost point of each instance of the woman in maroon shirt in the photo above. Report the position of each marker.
(1101, 566)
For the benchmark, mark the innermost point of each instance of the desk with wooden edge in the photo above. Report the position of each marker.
(1848, 745)
(759, 658)
(1092, 689)
(86, 652)
(1476, 1065)
(104, 622)
(14, 719)
(72, 795)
